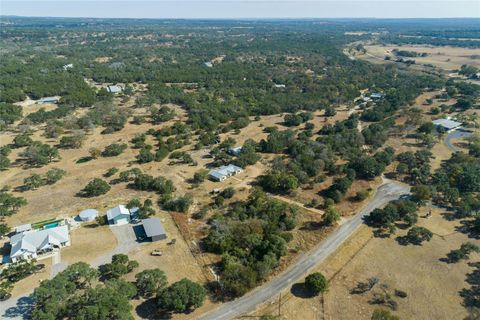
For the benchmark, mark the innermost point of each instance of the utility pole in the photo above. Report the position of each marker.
(279, 304)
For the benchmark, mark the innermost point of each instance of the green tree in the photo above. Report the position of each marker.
(316, 283)
(32, 182)
(150, 281)
(181, 296)
(54, 175)
(4, 229)
(331, 216)
(417, 235)
(9, 204)
(95, 188)
(4, 162)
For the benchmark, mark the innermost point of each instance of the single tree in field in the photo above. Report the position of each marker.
(316, 283)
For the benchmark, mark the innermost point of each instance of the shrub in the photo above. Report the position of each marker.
(114, 149)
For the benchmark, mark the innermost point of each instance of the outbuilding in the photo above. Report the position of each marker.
(119, 215)
(447, 124)
(88, 215)
(114, 89)
(154, 229)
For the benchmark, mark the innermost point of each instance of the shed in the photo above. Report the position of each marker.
(88, 215)
(114, 89)
(154, 229)
(118, 215)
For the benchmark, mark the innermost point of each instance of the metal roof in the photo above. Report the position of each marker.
(119, 210)
(23, 227)
(88, 214)
(153, 227)
(38, 240)
(114, 89)
(447, 123)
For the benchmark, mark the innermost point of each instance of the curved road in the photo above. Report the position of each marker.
(386, 192)
(456, 134)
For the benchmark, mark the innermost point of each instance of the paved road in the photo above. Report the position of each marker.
(456, 134)
(387, 192)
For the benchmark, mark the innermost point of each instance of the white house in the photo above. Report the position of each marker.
(222, 173)
(235, 151)
(119, 215)
(30, 244)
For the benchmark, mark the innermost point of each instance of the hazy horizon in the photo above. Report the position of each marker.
(244, 9)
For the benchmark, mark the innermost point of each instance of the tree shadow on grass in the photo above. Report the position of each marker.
(149, 310)
(22, 309)
(300, 291)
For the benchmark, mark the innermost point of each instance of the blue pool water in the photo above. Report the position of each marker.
(50, 225)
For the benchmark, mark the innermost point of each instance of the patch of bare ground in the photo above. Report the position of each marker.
(85, 243)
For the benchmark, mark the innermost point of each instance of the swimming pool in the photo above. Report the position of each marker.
(51, 225)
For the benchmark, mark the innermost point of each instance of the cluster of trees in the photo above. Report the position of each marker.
(385, 219)
(251, 236)
(83, 292)
(35, 181)
(457, 184)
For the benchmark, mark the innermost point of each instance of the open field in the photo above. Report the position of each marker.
(417, 270)
(447, 58)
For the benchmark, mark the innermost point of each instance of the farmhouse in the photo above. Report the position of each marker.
(208, 64)
(154, 229)
(23, 228)
(30, 244)
(447, 124)
(114, 89)
(222, 173)
(119, 215)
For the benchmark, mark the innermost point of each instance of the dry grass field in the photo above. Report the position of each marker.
(432, 285)
(447, 58)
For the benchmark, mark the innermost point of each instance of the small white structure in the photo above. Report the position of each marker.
(48, 100)
(29, 244)
(447, 124)
(222, 173)
(376, 95)
(208, 64)
(68, 66)
(88, 215)
(114, 89)
(279, 86)
(118, 215)
(235, 151)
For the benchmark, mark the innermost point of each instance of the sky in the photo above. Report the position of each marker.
(243, 8)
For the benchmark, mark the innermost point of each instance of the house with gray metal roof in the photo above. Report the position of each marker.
(447, 124)
(114, 89)
(154, 229)
(48, 100)
(224, 172)
(30, 244)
